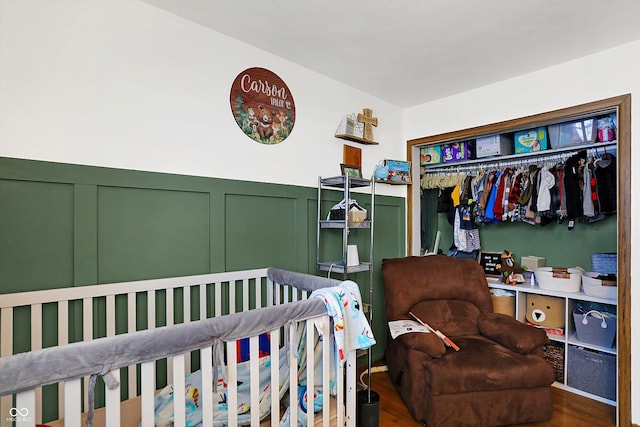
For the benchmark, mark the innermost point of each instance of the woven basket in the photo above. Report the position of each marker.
(606, 263)
(554, 354)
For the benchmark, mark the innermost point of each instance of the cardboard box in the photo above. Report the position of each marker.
(458, 151)
(531, 262)
(356, 216)
(430, 155)
(494, 145)
(531, 140)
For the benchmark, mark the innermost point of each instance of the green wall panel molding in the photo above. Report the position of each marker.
(260, 231)
(36, 235)
(85, 234)
(148, 231)
(65, 225)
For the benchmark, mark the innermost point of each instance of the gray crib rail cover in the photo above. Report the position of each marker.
(37, 368)
(302, 281)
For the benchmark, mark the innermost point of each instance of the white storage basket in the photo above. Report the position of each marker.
(562, 280)
(594, 287)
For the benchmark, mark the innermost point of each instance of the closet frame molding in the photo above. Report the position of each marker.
(622, 104)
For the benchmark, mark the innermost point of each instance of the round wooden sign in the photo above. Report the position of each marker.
(262, 105)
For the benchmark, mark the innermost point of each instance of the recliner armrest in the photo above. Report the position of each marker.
(427, 343)
(511, 333)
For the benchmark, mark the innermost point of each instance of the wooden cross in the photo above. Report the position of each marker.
(368, 120)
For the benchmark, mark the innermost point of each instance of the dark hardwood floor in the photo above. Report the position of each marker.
(569, 409)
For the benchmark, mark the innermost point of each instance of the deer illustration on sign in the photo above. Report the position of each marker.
(366, 117)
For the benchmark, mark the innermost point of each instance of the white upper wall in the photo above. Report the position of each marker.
(123, 84)
(610, 73)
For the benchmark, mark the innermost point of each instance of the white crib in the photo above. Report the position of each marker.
(225, 305)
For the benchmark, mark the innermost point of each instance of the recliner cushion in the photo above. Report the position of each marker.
(482, 364)
(409, 280)
(451, 317)
(426, 343)
(511, 333)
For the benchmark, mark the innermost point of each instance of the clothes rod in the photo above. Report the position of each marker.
(519, 160)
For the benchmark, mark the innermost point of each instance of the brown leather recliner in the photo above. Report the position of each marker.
(498, 377)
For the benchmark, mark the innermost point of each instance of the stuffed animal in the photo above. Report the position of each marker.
(545, 311)
(511, 272)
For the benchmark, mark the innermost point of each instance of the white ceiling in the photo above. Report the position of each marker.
(409, 52)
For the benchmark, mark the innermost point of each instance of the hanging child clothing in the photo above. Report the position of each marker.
(580, 189)
(605, 173)
(466, 236)
(573, 182)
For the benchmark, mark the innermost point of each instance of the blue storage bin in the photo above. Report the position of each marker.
(606, 263)
(592, 371)
(595, 327)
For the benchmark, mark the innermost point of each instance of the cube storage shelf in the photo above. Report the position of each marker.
(580, 367)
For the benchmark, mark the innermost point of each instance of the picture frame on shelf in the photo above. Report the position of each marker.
(351, 170)
(399, 172)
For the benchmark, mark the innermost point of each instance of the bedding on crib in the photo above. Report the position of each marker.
(164, 409)
(351, 331)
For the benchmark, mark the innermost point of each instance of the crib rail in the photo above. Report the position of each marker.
(102, 311)
(105, 356)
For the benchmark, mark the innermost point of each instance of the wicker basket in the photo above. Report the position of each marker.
(554, 354)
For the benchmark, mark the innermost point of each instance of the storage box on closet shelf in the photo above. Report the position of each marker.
(458, 151)
(530, 141)
(494, 145)
(605, 262)
(572, 133)
(559, 279)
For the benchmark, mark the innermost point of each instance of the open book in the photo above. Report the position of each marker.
(399, 327)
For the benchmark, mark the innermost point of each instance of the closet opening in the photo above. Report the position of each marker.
(617, 228)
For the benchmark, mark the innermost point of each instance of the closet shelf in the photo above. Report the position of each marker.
(340, 182)
(339, 223)
(447, 167)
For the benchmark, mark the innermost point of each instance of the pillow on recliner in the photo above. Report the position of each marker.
(427, 343)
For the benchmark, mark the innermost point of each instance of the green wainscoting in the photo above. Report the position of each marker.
(67, 225)
(142, 230)
(36, 235)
